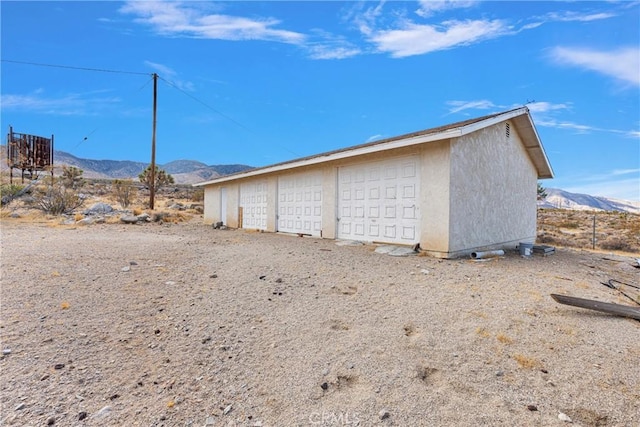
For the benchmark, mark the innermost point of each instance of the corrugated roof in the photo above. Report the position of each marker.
(521, 117)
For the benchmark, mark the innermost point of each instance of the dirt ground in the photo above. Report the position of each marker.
(184, 325)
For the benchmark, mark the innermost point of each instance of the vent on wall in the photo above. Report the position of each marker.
(507, 130)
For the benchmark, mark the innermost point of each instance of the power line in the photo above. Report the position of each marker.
(89, 134)
(205, 104)
(102, 70)
(218, 112)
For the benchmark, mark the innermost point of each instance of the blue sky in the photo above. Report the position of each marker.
(263, 82)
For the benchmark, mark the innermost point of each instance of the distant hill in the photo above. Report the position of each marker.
(183, 171)
(192, 171)
(100, 168)
(560, 199)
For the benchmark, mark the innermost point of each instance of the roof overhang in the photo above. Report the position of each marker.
(520, 117)
(533, 145)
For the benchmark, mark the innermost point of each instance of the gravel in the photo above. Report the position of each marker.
(233, 327)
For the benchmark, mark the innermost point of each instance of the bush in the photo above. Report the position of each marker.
(124, 192)
(10, 189)
(616, 244)
(72, 176)
(198, 195)
(56, 199)
(569, 224)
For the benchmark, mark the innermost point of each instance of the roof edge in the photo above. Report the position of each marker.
(428, 135)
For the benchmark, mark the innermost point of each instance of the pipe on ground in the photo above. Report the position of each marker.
(487, 254)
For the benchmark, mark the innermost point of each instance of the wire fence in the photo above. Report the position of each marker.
(609, 231)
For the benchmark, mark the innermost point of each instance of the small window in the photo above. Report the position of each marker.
(507, 130)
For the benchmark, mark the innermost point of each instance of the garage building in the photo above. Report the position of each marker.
(455, 189)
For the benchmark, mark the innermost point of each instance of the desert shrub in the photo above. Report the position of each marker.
(546, 238)
(616, 244)
(9, 191)
(72, 176)
(124, 192)
(56, 199)
(569, 224)
(556, 240)
(198, 195)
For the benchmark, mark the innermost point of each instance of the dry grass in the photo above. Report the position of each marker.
(483, 332)
(526, 362)
(614, 231)
(504, 339)
(102, 191)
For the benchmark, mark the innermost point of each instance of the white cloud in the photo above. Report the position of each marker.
(457, 106)
(622, 64)
(171, 75)
(414, 39)
(431, 7)
(192, 20)
(579, 128)
(328, 51)
(331, 46)
(566, 125)
(408, 38)
(163, 69)
(73, 104)
(531, 26)
(617, 172)
(542, 112)
(374, 138)
(544, 107)
(576, 16)
(366, 21)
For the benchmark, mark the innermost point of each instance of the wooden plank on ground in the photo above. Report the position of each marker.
(605, 307)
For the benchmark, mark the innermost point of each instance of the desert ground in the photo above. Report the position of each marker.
(179, 324)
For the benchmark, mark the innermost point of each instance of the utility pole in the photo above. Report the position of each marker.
(152, 185)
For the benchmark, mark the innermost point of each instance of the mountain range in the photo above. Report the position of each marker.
(560, 199)
(191, 172)
(183, 171)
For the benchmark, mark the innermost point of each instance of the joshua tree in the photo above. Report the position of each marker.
(72, 176)
(542, 192)
(161, 178)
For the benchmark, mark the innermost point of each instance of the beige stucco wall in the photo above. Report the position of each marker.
(212, 204)
(493, 191)
(233, 203)
(476, 192)
(212, 207)
(272, 203)
(434, 198)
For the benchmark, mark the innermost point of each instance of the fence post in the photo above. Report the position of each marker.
(594, 231)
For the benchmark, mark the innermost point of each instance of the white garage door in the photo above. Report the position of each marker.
(253, 201)
(378, 201)
(300, 203)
